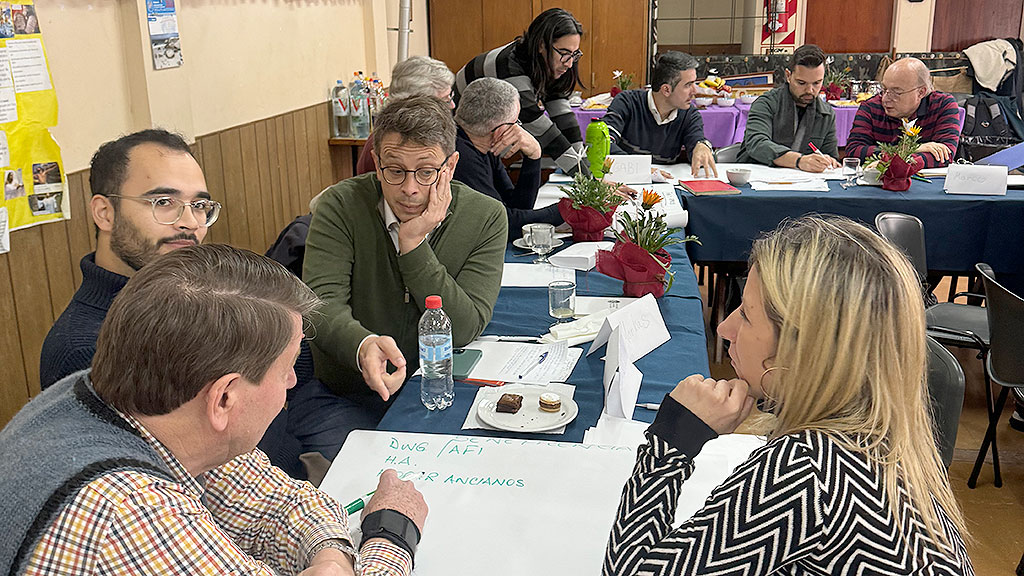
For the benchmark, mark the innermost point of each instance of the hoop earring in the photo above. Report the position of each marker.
(760, 381)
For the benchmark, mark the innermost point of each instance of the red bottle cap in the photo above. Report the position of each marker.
(433, 302)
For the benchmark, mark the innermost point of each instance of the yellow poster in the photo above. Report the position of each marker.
(35, 184)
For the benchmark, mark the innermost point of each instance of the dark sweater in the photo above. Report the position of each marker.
(558, 132)
(71, 342)
(937, 116)
(633, 129)
(53, 447)
(485, 173)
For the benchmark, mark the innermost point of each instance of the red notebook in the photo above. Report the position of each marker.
(708, 187)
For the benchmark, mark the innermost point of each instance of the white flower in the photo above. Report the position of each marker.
(616, 74)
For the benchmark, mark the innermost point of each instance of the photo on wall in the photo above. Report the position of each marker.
(6, 23)
(46, 178)
(14, 186)
(24, 19)
(42, 204)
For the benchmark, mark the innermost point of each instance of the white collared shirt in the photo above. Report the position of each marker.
(391, 222)
(654, 110)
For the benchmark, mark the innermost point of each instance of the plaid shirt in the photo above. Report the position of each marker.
(245, 517)
(938, 117)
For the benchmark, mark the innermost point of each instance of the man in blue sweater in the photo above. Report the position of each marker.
(660, 121)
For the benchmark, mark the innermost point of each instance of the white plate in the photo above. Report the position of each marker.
(529, 418)
(518, 243)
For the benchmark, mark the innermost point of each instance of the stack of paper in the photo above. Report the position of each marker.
(579, 256)
(534, 275)
(611, 431)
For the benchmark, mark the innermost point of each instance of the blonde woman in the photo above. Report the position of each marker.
(831, 337)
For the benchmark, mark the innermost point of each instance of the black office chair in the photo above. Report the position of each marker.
(946, 392)
(728, 154)
(1005, 362)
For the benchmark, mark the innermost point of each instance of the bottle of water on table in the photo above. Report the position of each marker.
(437, 390)
(340, 111)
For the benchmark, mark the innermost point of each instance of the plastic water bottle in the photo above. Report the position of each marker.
(598, 146)
(437, 390)
(340, 116)
(359, 97)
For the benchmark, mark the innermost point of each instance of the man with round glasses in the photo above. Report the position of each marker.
(149, 198)
(380, 243)
(907, 94)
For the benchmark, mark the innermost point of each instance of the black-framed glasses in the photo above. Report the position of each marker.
(505, 125)
(893, 93)
(168, 210)
(395, 175)
(564, 56)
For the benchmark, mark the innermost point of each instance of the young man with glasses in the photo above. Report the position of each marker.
(149, 198)
(488, 131)
(784, 123)
(660, 121)
(380, 243)
(907, 94)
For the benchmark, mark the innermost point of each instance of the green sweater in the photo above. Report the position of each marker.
(772, 128)
(352, 265)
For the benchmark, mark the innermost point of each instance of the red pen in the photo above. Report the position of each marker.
(815, 148)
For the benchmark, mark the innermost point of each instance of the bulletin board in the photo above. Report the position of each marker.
(35, 184)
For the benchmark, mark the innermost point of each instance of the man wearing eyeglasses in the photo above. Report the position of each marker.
(489, 131)
(380, 243)
(907, 94)
(149, 197)
(661, 121)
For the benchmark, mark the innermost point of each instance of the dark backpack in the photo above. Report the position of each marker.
(986, 128)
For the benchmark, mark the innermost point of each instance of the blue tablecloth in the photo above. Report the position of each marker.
(960, 230)
(524, 311)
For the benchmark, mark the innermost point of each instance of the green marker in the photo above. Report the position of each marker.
(357, 505)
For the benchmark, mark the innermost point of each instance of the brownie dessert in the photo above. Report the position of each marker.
(509, 403)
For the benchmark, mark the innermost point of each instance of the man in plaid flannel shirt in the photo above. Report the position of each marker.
(147, 463)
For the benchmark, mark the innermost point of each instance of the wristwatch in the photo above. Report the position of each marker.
(707, 143)
(394, 527)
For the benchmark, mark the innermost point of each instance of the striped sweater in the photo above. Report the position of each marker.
(800, 505)
(937, 116)
(558, 132)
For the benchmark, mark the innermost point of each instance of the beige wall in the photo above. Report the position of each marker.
(244, 61)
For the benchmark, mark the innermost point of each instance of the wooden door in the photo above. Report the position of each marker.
(504, 22)
(961, 23)
(841, 26)
(456, 31)
(619, 41)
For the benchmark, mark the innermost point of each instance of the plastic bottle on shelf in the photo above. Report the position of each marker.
(360, 108)
(437, 390)
(598, 146)
(341, 115)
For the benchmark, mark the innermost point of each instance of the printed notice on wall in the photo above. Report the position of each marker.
(5, 233)
(28, 65)
(35, 185)
(163, 34)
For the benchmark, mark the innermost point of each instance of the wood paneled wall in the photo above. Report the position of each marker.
(840, 26)
(264, 173)
(962, 23)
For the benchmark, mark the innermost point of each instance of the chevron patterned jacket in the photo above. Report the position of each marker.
(801, 505)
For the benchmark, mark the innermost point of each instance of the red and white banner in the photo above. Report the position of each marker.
(781, 24)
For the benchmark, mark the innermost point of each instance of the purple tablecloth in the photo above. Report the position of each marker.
(725, 126)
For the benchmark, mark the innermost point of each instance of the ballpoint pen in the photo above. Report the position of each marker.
(543, 357)
(496, 338)
(482, 382)
(357, 504)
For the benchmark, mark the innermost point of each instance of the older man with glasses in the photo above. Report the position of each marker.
(380, 243)
(907, 94)
(488, 132)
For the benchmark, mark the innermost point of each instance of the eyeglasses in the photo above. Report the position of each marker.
(506, 125)
(892, 93)
(395, 175)
(564, 56)
(168, 210)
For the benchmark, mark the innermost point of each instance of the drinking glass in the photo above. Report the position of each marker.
(851, 170)
(562, 300)
(542, 241)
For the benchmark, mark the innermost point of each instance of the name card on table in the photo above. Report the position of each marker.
(642, 328)
(630, 169)
(975, 179)
(621, 378)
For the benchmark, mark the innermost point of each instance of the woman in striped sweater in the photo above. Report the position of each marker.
(830, 336)
(543, 66)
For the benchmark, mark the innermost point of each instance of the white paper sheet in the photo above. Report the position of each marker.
(473, 422)
(5, 233)
(519, 362)
(643, 328)
(534, 275)
(580, 256)
(757, 172)
(5, 151)
(6, 81)
(795, 185)
(28, 65)
(622, 379)
(612, 431)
